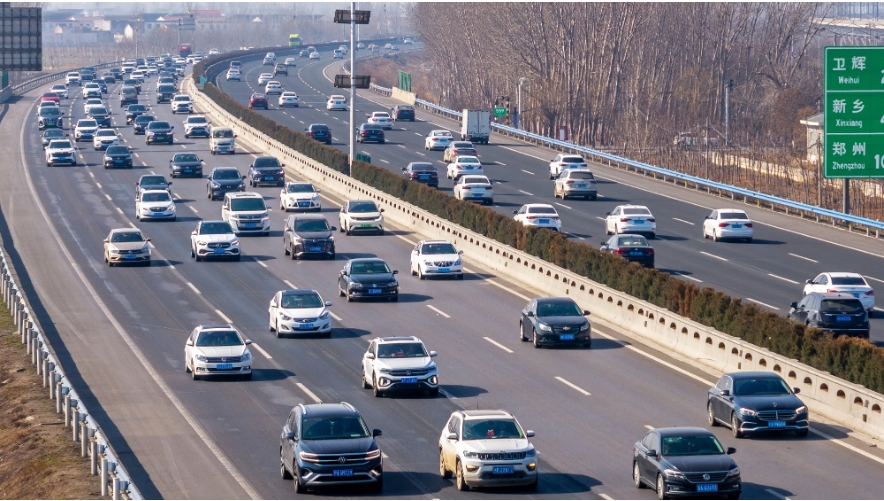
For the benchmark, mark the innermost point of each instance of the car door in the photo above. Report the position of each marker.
(649, 464)
(225, 209)
(449, 446)
(342, 216)
(710, 221)
(367, 368)
(137, 202)
(273, 310)
(800, 314)
(527, 322)
(520, 214)
(719, 402)
(288, 445)
(415, 255)
(610, 225)
(344, 279)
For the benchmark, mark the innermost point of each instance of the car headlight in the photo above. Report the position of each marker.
(315, 198)
(309, 457)
(201, 358)
(215, 185)
(801, 410)
(734, 472)
(470, 454)
(584, 327)
(113, 251)
(246, 356)
(373, 454)
(324, 315)
(544, 327)
(458, 262)
(531, 452)
(146, 248)
(265, 216)
(171, 207)
(285, 317)
(203, 243)
(746, 412)
(672, 473)
(393, 284)
(384, 371)
(235, 242)
(355, 285)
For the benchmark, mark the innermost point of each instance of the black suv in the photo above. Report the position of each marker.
(320, 132)
(165, 93)
(224, 180)
(422, 172)
(159, 132)
(134, 83)
(266, 170)
(101, 115)
(133, 111)
(756, 401)
(308, 235)
(186, 164)
(140, 122)
(329, 444)
(839, 312)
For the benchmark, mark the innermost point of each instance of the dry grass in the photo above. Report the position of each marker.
(385, 72)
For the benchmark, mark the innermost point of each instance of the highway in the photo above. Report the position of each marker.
(220, 438)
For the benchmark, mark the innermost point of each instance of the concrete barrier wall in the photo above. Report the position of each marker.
(402, 95)
(838, 400)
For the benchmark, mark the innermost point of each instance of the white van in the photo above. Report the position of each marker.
(222, 140)
(338, 54)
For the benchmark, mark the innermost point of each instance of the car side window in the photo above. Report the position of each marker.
(821, 280)
(655, 442)
(371, 347)
(616, 212)
(417, 248)
(721, 384)
(805, 302)
(646, 441)
(728, 383)
(522, 210)
(813, 303)
(714, 215)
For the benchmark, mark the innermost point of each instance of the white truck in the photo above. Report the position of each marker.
(476, 126)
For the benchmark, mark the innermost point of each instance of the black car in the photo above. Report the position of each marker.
(685, 462)
(117, 73)
(140, 123)
(102, 84)
(133, 82)
(52, 134)
(101, 115)
(165, 93)
(422, 172)
(134, 110)
(319, 132)
(149, 182)
(756, 401)
(367, 278)
(370, 132)
(224, 180)
(633, 248)
(554, 321)
(117, 156)
(280, 69)
(266, 170)
(308, 235)
(185, 164)
(86, 75)
(329, 444)
(159, 132)
(402, 112)
(839, 312)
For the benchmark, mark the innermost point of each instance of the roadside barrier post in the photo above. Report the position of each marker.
(84, 436)
(75, 422)
(104, 465)
(58, 398)
(53, 384)
(62, 403)
(46, 363)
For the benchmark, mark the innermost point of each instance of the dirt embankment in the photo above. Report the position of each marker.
(385, 72)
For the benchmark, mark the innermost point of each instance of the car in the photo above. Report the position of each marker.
(196, 125)
(127, 68)
(838, 312)
(126, 246)
(117, 156)
(140, 123)
(152, 70)
(185, 164)
(234, 74)
(731, 224)
(388, 46)
(370, 132)
(314, 55)
(290, 61)
(381, 118)
(236, 64)
(258, 101)
(319, 132)
(273, 87)
(402, 112)
(360, 46)
(564, 161)
(61, 90)
(128, 95)
(217, 350)
(463, 164)
(104, 138)
(246, 213)
(166, 92)
(224, 180)
(50, 117)
(90, 103)
(51, 96)
(85, 129)
(166, 79)
(154, 204)
(539, 215)
(46, 104)
(359, 216)
(634, 248)
(436, 258)
(101, 115)
(266, 170)
(299, 311)
(399, 363)
(181, 103)
(288, 98)
(336, 102)
(139, 75)
(756, 401)
(222, 140)
(406, 41)
(555, 321)
(368, 278)
(104, 81)
(304, 452)
(214, 239)
(474, 189)
(456, 148)
(214, 52)
(308, 235)
(51, 134)
(487, 448)
(576, 183)
(134, 83)
(72, 78)
(269, 61)
(263, 78)
(116, 72)
(133, 111)
(281, 69)
(343, 48)
(394, 47)
(152, 182)
(685, 462)
(159, 132)
(337, 54)
(631, 219)
(60, 151)
(300, 195)
(304, 53)
(91, 89)
(422, 172)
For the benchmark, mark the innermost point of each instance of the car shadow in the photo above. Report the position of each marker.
(349, 333)
(263, 258)
(357, 255)
(670, 238)
(164, 263)
(762, 241)
(257, 375)
(579, 235)
(605, 344)
(463, 391)
(414, 298)
(751, 490)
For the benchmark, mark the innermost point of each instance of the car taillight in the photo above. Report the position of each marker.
(531, 217)
(466, 187)
(620, 251)
(488, 188)
(413, 175)
(434, 139)
(457, 165)
(555, 218)
(593, 182)
(569, 182)
(831, 290)
(563, 165)
(650, 252)
(651, 220)
(625, 219)
(870, 292)
(723, 225)
(434, 175)
(748, 225)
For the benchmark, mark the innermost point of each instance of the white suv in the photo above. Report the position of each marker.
(399, 363)
(85, 129)
(299, 311)
(359, 216)
(217, 350)
(436, 257)
(246, 213)
(565, 161)
(72, 78)
(181, 103)
(214, 239)
(196, 125)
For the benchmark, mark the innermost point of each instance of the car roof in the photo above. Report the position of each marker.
(731, 210)
(539, 205)
(841, 274)
(127, 230)
(554, 300)
(435, 242)
(328, 409)
(682, 431)
(215, 327)
(737, 376)
(308, 216)
(476, 414)
(225, 168)
(631, 206)
(298, 292)
(245, 194)
(299, 182)
(367, 260)
(154, 191)
(397, 339)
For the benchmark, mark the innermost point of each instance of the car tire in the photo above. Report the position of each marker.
(299, 487)
(186, 368)
(374, 387)
(535, 340)
(193, 372)
(734, 495)
(443, 471)
(522, 337)
(341, 292)
(661, 487)
(735, 426)
(710, 414)
(802, 433)
(637, 476)
(714, 236)
(460, 276)
(459, 480)
(365, 385)
(420, 275)
(652, 236)
(434, 392)
(283, 471)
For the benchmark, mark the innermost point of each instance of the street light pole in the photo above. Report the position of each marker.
(518, 120)
(352, 83)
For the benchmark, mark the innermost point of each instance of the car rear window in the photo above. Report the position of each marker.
(158, 125)
(581, 175)
(475, 180)
(462, 145)
(541, 210)
(572, 160)
(637, 211)
(152, 180)
(423, 167)
(636, 241)
(372, 127)
(734, 215)
(468, 160)
(319, 128)
(848, 306)
(848, 281)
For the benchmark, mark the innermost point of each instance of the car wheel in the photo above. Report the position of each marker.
(652, 236)
(193, 371)
(299, 487)
(536, 340)
(637, 476)
(374, 387)
(365, 384)
(661, 488)
(802, 433)
(443, 471)
(733, 495)
(710, 415)
(283, 471)
(349, 297)
(292, 252)
(186, 368)
(533, 485)
(434, 392)
(460, 276)
(749, 240)
(714, 236)
(420, 274)
(459, 481)
(735, 426)
(522, 337)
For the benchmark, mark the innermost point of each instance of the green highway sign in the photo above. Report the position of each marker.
(853, 95)
(499, 111)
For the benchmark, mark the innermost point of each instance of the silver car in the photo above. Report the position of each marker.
(576, 183)
(126, 245)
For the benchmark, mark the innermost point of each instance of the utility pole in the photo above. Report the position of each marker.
(518, 120)
(727, 113)
(352, 82)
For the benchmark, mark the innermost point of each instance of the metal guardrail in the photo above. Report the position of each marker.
(16, 90)
(748, 196)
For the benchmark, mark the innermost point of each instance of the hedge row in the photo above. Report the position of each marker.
(852, 359)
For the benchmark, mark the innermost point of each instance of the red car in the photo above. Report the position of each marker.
(51, 96)
(258, 101)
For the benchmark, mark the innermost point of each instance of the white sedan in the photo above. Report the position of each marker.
(273, 87)
(438, 140)
(61, 90)
(723, 224)
(461, 165)
(474, 189)
(314, 55)
(850, 283)
(217, 350)
(104, 138)
(336, 102)
(436, 257)
(631, 219)
(263, 78)
(233, 74)
(300, 195)
(92, 102)
(154, 204)
(381, 118)
(288, 98)
(539, 215)
(565, 161)
(299, 311)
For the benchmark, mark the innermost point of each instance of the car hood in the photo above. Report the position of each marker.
(221, 237)
(403, 363)
(769, 402)
(496, 445)
(569, 320)
(439, 257)
(126, 245)
(367, 215)
(164, 203)
(372, 278)
(222, 351)
(343, 446)
(721, 462)
(303, 312)
(267, 170)
(301, 195)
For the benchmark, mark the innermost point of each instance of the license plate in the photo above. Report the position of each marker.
(581, 186)
(157, 214)
(422, 176)
(160, 136)
(408, 380)
(444, 270)
(374, 291)
(188, 171)
(468, 168)
(268, 178)
(303, 204)
(639, 221)
(776, 424)
(224, 366)
(737, 226)
(566, 337)
(306, 326)
(218, 251)
(477, 195)
(365, 225)
(707, 487)
(251, 225)
(503, 470)
(843, 319)
(130, 256)
(543, 221)
(118, 161)
(315, 249)
(635, 253)
(222, 148)
(342, 473)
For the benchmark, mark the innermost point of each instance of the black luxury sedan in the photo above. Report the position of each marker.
(186, 164)
(368, 278)
(152, 182)
(839, 312)
(756, 401)
(370, 132)
(634, 248)
(554, 321)
(117, 156)
(422, 172)
(308, 235)
(266, 170)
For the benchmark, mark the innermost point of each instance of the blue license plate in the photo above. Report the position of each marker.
(444, 270)
(342, 473)
(543, 221)
(737, 226)
(224, 366)
(423, 176)
(218, 251)
(306, 326)
(639, 221)
(315, 249)
(843, 319)
(638, 253)
(581, 186)
(188, 171)
(303, 204)
(408, 380)
(157, 214)
(566, 337)
(268, 178)
(503, 470)
(374, 291)
(707, 487)
(118, 160)
(130, 256)
(468, 168)
(250, 226)
(776, 424)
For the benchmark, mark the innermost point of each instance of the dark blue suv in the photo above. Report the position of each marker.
(329, 444)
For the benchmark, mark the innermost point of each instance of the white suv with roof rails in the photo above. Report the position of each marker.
(246, 212)
(564, 161)
(399, 363)
(72, 78)
(436, 257)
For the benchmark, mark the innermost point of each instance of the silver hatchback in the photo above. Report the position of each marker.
(576, 183)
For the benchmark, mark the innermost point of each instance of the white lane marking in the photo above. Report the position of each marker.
(417, 134)
(385, 161)
(656, 359)
(683, 221)
(260, 262)
(339, 319)
(713, 255)
(523, 153)
(525, 192)
(688, 277)
(649, 427)
(762, 304)
(120, 210)
(152, 172)
(572, 385)
(91, 174)
(194, 209)
(602, 218)
(108, 197)
(290, 284)
(223, 316)
(527, 171)
(562, 205)
(99, 185)
(176, 195)
(261, 350)
(410, 241)
(775, 494)
(804, 258)
(495, 343)
(437, 310)
(782, 278)
(605, 496)
(309, 393)
(876, 279)
(573, 235)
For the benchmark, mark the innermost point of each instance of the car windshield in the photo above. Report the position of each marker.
(402, 350)
(372, 127)
(266, 162)
(105, 133)
(152, 181)
(219, 338)
(300, 188)
(541, 210)
(156, 197)
(186, 157)
(490, 429)
(50, 111)
(53, 133)
(54, 145)
(222, 133)
(127, 236)
(312, 225)
(467, 160)
(765, 386)
(475, 180)
(637, 211)
(158, 125)
(238, 204)
(226, 174)
(144, 119)
(848, 281)
(98, 110)
(182, 98)
(197, 120)
(441, 248)
(301, 301)
(403, 107)
(368, 267)
(633, 241)
(334, 428)
(136, 107)
(117, 150)
(581, 175)
(558, 310)
(846, 306)
(733, 215)
(363, 207)
(217, 228)
(697, 445)
(87, 123)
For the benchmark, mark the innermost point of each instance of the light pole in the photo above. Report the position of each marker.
(518, 121)
(352, 82)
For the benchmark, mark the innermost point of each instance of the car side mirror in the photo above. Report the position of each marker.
(395, 272)
(193, 232)
(515, 212)
(460, 253)
(382, 210)
(189, 342)
(794, 306)
(369, 356)
(248, 341)
(652, 452)
(334, 228)
(451, 436)
(243, 177)
(433, 353)
(725, 393)
(529, 433)
(607, 213)
(290, 435)
(282, 165)
(808, 281)
(172, 127)
(586, 313)
(796, 390)
(105, 240)
(731, 450)
(328, 303)
(376, 432)
(343, 273)
(604, 243)
(529, 314)
(235, 135)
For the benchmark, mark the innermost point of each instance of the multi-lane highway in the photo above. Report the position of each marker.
(182, 438)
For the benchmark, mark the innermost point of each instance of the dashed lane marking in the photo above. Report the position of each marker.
(525, 192)
(782, 278)
(683, 221)
(572, 385)
(193, 287)
(223, 316)
(309, 393)
(762, 304)
(713, 255)
(99, 185)
(261, 350)
(527, 171)
(290, 284)
(495, 343)
(437, 310)
(804, 258)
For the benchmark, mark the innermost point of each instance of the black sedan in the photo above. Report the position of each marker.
(150, 182)
(117, 156)
(140, 123)
(370, 132)
(422, 172)
(51, 134)
(185, 164)
(685, 462)
(839, 312)
(756, 401)
(554, 321)
(402, 112)
(633, 248)
(266, 170)
(133, 111)
(368, 278)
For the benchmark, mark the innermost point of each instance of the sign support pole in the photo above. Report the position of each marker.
(352, 130)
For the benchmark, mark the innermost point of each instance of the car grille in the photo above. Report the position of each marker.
(364, 218)
(698, 478)
(344, 458)
(218, 245)
(136, 251)
(500, 456)
(230, 186)
(409, 372)
(250, 218)
(784, 415)
(305, 320)
(442, 264)
(316, 241)
(59, 155)
(158, 209)
(222, 360)
(567, 329)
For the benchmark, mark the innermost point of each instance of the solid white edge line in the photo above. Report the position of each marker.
(762, 304)
(526, 193)
(339, 319)
(289, 284)
(784, 279)
(688, 277)
(804, 258)
(649, 427)
(683, 221)
(847, 446)
(99, 185)
(193, 287)
(775, 494)
(495, 343)
(605, 496)
(876, 279)
(437, 310)
(261, 350)
(713, 255)
(309, 393)
(223, 316)
(572, 385)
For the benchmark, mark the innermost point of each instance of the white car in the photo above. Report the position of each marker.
(214, 239)
(336, 102)
(850, 283)
(290, 61)
(436, 257)
(85, 129)
(539, 215)
(152, 70)
(60, 151)
(72, 78)
(104, 138)
(631, 219)
(487, 449)
(288, 98)
(214, 52)
(576, 183)
(565, 161)
(314, 55)
(61, 90)
(140, 74)
(465, 164)
(359, 216)
(474, 189)
(399, 363)
(299, 311)
(300, 195)
(217, 350)
(91, 89)
(338, 54)
(234, 74)
(154, 204)
(181, 103)
(126, 245)
(273, 87)
(438, 140)
(406, 41)
(724, 224)
(263, 78)
(196, 125)
(246, 212)
(92, 102)
(381, 118)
